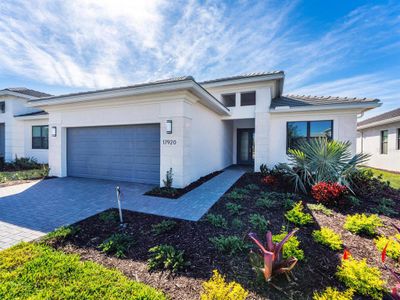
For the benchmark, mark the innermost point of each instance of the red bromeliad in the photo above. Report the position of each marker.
(271, 261)
(268, 180)
(396, 289)
(328, 193)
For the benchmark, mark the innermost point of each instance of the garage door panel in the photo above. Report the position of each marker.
(129, 153)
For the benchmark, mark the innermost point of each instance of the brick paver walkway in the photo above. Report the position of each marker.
(31, 210)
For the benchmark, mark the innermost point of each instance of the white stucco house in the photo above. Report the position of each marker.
(379, 136)
(137, 133)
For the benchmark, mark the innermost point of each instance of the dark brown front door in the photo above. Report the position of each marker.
(245, 146)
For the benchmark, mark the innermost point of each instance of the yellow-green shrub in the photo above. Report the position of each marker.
(216, 288)
(365, 280)
(393, 249)
(363, 224)
(297, 216)
(291, 248)
(333, 294)
(328, 237)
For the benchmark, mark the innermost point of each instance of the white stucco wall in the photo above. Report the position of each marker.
(344, 129)
(371, 143)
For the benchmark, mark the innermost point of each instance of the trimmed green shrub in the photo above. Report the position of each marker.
(166, 257)
(362, 224)
(217, 220)
(230, 244)
(393, 249)
(110, 216)
(163, 227)
(252, 187)
(365, 280)
(237, 194)
(61, 233)
(320, 208)
(333, 294)
(118, 244)
(259, 222)
(237, 224)
(297, 216)
(386, 207)
(266, 202)
(328, 237)
(233, 208)
(291, 248)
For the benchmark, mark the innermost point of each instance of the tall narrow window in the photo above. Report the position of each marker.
(384, 142)
(40, 137)
(2, 107)
(398, 138)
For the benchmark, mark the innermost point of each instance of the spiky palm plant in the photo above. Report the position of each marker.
(320, 160)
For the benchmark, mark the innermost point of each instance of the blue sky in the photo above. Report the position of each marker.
(331, 47)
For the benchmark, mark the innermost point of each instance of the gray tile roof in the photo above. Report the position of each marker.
(382, 117)
(303, 100)
(28, 92)
(169, 80)
(36, 113)
(243, 76)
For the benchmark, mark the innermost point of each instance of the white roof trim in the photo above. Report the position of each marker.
(378, 123)
(243, 80)
(33, 117)
(362, 106)
(16, 94)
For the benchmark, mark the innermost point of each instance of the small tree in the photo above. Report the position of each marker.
(168, 179)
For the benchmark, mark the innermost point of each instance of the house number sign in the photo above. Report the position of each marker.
(169, 142)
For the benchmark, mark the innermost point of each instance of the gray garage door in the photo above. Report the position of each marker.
(126, 153)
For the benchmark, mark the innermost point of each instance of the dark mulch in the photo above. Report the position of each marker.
(316, 272)
(175, 193)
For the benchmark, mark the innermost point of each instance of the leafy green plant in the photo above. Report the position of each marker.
(297, 216)
(259, 222)
(353, 200)
(230, 244)
(109, 216)
(61, 233)
(237, 224)
(216, 288)
(288, 203)
(237, 194)
(163, 227)
(386, 207)
(269, 260)
(168, 179)
(264, 170)
(320, 208)
(252, 187)
(292, 246)
(233, 208)
(363, 279)
(321, 160)
(328, 237)
(166, 257)
(392, 245)
(118, 244)
(334, 294)
(266, 202)
(217, 220)
(362, 224)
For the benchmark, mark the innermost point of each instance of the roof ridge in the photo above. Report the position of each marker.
(329, 97)
(243, 75)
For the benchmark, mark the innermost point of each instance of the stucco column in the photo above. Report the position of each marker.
(262, 127)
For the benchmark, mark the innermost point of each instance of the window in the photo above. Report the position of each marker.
(40, 137)
(2, 107)
(398, 138)
(384, 142)
(248, 98)
(298, 132)
(229, 100)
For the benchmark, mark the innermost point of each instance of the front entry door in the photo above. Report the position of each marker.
(245, 146)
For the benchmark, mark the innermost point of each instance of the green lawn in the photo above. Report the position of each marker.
(23, 175)
(33, 271)
(393, 178)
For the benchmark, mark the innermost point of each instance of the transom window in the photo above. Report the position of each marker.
(229, 100)
(300, 131)
(2, 107)
(248, 98)
(40, 137)
(384, 142)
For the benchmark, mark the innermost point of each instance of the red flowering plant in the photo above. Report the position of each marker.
(329, 193)
(269, 180)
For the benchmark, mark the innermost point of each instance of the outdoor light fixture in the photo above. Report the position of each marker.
(168, 126)
(54, 131)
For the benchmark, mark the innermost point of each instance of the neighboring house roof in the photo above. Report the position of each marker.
(26, 91)
(244, 76)
(36, 113)
(385, 118)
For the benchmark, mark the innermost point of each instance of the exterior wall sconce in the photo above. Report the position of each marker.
(168, 126)
(54, 131)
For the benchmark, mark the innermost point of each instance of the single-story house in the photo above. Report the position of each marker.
(139, 132)
(379, 136)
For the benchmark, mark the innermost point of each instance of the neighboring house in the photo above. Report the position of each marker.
(380, 137)
(137, 133)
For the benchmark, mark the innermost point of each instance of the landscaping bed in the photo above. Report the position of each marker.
(314, 272)
(175, 193)
(22, 170)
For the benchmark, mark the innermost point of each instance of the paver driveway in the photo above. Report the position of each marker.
(31, 210)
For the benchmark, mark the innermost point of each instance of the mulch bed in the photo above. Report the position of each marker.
(316, 272)
(175, 193)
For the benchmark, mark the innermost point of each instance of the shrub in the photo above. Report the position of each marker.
(163, 227)
(229, 244)
(61, 233)
(23, 163)
(216, 288)
(217, 220)
(268, 180)
(353, 200)
(25, 175)
(364, 279)
(333, 294)
(166, 257)
(258, 222)
(237, 224)
(321, 208)
(393, 248)
(328, 193)
(274, 199)
(328, 237)
(362, 224)
(264, 170)
(168, 179)
(110, 216)
(266, 202)
(233, 208)
(118, 244)
(297, 216)
(237, 194)
(252, 187)
(292, 246)
(386, 207)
